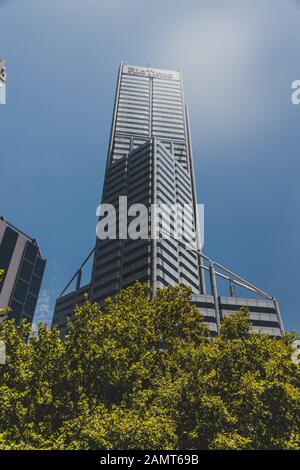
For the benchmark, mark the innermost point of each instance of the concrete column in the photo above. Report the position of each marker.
(78, 279)
(276, 305)
(213, 283)
(232, 289)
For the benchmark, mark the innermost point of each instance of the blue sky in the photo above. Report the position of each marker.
(238, 61)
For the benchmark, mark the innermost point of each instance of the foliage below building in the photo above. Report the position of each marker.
(145, 374)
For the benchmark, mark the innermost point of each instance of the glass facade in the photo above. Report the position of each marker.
(24, 266)
(149, 161)
(7, 247)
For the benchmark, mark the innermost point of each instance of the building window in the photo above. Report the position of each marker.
(35, 285)
(26, 271)
(20, 290)
(39, 266)
(30, 252)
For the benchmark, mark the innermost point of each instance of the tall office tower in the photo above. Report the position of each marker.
(21, 259)
(150, 162)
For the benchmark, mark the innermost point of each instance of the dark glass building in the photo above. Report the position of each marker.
(21, 259)
(150, 162)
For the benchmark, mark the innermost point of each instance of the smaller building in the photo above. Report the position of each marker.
(22, 261)
(65, 306)
(264, 314)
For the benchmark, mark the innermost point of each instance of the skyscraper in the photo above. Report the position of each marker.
(150, 162)
(21, 259)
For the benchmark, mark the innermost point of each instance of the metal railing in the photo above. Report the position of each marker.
(233, 280)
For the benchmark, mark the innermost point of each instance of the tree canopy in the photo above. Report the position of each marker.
(145, 373)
